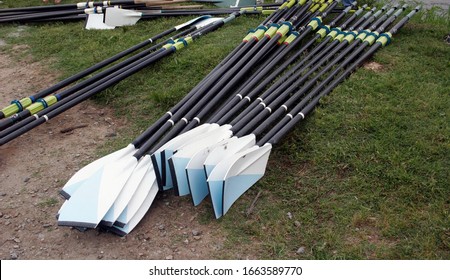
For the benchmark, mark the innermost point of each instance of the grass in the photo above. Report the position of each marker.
(364, 177)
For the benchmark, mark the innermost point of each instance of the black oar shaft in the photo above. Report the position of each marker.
(85, 96)
(301, 110)
(252, 120)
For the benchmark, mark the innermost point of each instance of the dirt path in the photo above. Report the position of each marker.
(34, 167)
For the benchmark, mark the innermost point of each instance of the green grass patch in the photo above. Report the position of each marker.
(363, 177)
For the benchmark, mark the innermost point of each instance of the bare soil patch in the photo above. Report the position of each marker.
(35, 166)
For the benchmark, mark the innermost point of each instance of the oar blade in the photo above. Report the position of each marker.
(161, 156)
(89, 204)
(86, 172)
(138, 199)
(95, 22)
(227, 149)
(128, 190)
(179, 161)
(245, 172)
(121, 17)
(143, 209)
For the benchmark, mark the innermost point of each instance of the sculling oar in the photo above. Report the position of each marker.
(232, 177)
(112, 174)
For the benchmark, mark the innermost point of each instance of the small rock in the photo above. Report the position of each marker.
(2, 194)
(197, 237)
(196, 232)
(46, 225)
(100, 257)
(297, 224)
(141, 254)
(16, 246)
(17, 240)
(1, 214)
(14, 256)
(186, 241)
(301, 250)
(111, 134)
(161, 227)
(7, 223)
(169, 257)
(289, 215)
(26, 179)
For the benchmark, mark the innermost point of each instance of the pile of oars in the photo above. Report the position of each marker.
(25, 114)
(71, 11)
(253, 98)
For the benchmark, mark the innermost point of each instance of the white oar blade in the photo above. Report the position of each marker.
(89, 204)
(86, 172)
(138, 199)
(244, 173)
(179, 161)
(192, 21)
(197, 172)
(95, 22)
(227, 149)
(161, 156)
(121, 17)
(216, 181)
(128, 190)
(143, 209)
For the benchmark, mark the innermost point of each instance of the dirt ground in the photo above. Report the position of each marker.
(35, 166)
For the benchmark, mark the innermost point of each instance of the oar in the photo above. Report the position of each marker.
(115, 175)
(232, 177)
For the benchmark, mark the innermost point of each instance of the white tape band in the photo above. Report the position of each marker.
(46, 118)
(290, 116)
(197, 119)
(240, 96)
(185, 120)
(171, 122)
(170, 113)
(301, 114)
(248, 98)
(285, 107)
